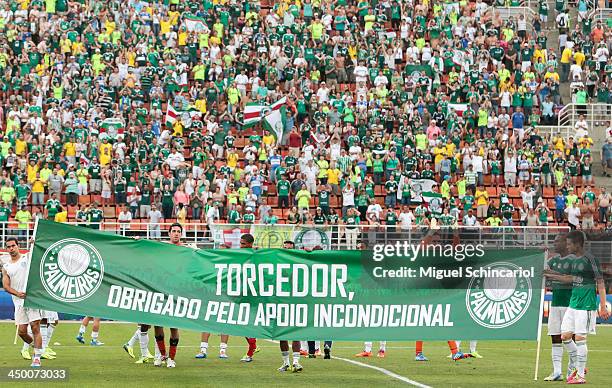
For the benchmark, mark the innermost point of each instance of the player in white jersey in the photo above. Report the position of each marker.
(14, 280)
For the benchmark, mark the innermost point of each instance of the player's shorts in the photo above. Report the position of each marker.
(581, 322)
(50, 316)
(24, 315)
(555, 317)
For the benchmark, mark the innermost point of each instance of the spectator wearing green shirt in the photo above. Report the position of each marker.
(303, 198)
(5, 214)
(282, 189)
(7, 192)
(95, 216)
(71, 185)
(51, 207)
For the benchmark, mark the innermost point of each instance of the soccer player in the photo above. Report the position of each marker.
(94, 331)
(560, 262)
(14, 279)
(367, 349)
(175, 232)
(579, 318)
(204, 346)
(295, 345)
(456, 355)
(473, 352)
(246, 242)
(142, 337)
(47, 326)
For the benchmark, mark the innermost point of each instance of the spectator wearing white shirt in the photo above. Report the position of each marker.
(510, 169)
(573, 215)
(406, 218)
(124, 218)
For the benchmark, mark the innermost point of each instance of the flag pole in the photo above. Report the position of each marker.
(539, 340)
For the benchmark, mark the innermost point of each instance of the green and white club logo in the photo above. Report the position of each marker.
(312, 237)
(71, 270)
(500, 298)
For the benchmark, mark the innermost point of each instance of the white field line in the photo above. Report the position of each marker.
(378, 369)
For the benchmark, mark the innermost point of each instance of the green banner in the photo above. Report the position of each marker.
(289, 294)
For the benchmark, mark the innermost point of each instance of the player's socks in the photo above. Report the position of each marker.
(223, 350)
(383, 346)
(367, 347)
(143, 338)
(203, 350)
(157, 352)
(557, 357)
(458, 343)
(452, 345)
(161, 345)
(134, 338)
(173, 346)
(37, 354)
(570, 348)
(473, 345)
(94, 339)
(418, 347)
(25, 347)
(285, 354)
(82, 330)
(581, 356)
(43, 335)
(296, 357)
(50, 330)
(252, 346)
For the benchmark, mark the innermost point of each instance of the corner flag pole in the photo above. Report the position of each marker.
(537, 360)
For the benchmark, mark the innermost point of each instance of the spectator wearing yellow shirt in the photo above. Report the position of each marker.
(61, 215)
(316, 28)
(70, 150)
(482, 202)
(21, 146)
(32, 170)
(566, 58)
(38, 190)
(106, 152)
(232, 158)
(579, 57)
(333, 178)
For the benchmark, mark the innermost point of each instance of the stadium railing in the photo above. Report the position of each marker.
(334, 237)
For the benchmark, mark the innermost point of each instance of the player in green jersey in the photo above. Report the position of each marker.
(558, 261)
(579, 319)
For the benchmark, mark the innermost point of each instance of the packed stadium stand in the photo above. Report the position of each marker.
(409, 111)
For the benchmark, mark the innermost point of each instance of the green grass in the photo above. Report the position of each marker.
(508, 363)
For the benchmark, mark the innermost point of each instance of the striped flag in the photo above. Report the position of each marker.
(458, 108)
(173, 115)
(254, 112)
(194, 23)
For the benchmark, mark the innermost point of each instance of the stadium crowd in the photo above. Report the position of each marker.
(378, 93)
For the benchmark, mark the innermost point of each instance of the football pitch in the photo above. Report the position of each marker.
(505, 363)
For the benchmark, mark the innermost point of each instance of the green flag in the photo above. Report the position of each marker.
(275, 123)
(287, 294)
